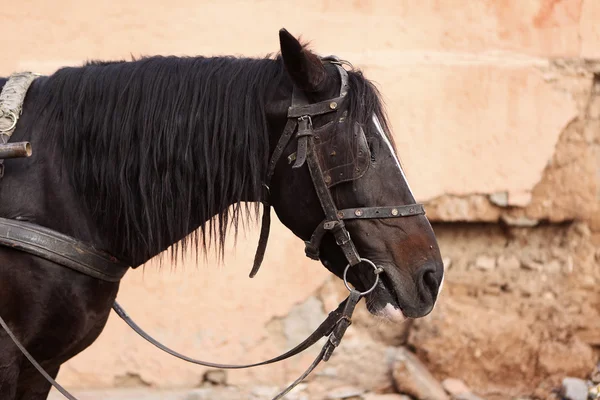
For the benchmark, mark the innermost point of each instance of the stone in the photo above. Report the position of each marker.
(455, 386)
(595, 375)
(594, 392)
(200, 394)
(411, 377)
(263, 392)
(574, 389)
(553, 266)
(508, 262)
(531, 265)
(387, 396)
(500, 199)
(520, 221)
(467, 396)
(267, 392)
(215, 377)
(485, 263)
(302, 320)
(345, 393)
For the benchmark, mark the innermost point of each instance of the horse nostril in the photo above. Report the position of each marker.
(429, 283)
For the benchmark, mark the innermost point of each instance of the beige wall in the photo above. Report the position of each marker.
(478, 103)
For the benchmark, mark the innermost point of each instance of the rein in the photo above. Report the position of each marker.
(81, 257)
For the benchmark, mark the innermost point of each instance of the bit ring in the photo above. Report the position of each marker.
(377, 270)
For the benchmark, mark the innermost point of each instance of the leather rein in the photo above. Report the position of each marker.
(71, 253)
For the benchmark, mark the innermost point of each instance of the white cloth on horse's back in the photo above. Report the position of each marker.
(11, 100)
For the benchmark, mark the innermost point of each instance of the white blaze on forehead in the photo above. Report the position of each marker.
(385, 138)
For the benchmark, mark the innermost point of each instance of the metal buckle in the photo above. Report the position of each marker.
(377, 270)
(304, 118)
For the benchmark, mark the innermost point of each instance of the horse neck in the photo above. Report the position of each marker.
(150, 185)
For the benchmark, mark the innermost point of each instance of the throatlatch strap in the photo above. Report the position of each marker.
(265, 227)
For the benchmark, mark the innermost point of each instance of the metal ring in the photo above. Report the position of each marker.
(377, 270)
(11, 115)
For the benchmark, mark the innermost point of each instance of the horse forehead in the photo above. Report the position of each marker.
(388, 143)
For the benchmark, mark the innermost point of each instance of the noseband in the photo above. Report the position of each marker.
(300, 115)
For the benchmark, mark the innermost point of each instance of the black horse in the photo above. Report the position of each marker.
(163, 153)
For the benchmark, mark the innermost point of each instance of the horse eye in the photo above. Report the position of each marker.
(372, 151)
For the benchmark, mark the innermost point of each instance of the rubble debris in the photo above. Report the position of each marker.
(485, 263)
(215, 377)
(411, 377)
(574, 389)
(345, 393)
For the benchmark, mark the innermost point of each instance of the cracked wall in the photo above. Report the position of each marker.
(495, 107)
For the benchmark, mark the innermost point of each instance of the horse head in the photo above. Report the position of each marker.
(354, 164)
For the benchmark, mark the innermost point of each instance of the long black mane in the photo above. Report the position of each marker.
(157, 146)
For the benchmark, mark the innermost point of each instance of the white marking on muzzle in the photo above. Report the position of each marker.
(392, 313)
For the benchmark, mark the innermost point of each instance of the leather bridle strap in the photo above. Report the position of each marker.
(337, 226)
(323, 330)
(298, 115)
(312, 246)
(334, 327)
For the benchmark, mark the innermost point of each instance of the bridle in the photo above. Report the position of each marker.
(300, 115)
(71, 253)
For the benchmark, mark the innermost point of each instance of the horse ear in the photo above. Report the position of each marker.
(304, 67)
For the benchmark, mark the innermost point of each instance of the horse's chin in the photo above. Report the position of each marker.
(383, 305)
(380, 303)
(391, 313)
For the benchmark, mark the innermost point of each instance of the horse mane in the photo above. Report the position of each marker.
(149, 144)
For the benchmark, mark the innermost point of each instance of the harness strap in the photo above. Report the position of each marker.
(61, 249)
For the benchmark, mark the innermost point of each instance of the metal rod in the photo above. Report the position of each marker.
(15, 150)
